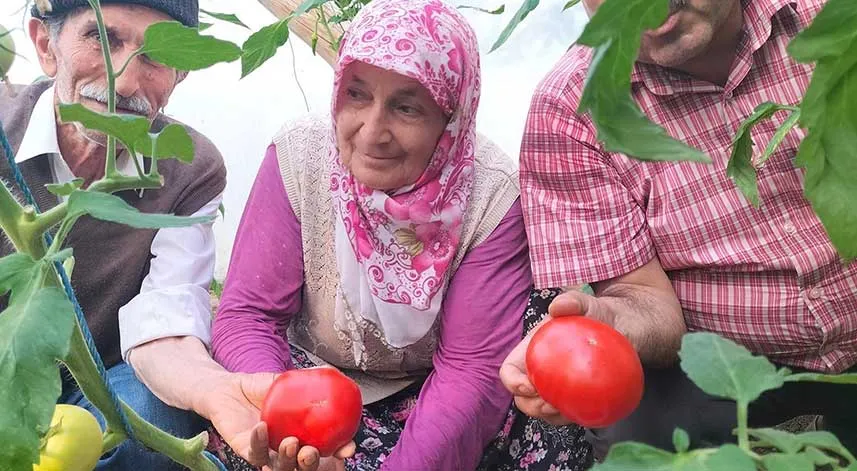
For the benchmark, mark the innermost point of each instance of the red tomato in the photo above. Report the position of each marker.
(320, 406)
(586, 370)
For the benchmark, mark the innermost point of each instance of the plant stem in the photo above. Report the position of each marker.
(82, 367)
(11, 213)
(743, 436)
(121, 182)
(110, 165)
(128, 62)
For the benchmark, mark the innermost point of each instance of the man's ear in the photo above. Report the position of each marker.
(42, 40)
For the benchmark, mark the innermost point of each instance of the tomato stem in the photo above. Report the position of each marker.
(186, 452)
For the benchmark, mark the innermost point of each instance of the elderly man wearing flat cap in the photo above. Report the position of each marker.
(144, 292)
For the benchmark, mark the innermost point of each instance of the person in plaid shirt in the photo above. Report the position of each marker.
(675, 247)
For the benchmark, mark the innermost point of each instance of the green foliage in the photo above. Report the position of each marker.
(35, 330)
(262, 45)
(183, 48)
(525, 9)
(111, 208)
(614, 34)
(741, 168)
(497, 11)
(227, 17)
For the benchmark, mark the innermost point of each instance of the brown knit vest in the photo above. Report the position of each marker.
(110, 260)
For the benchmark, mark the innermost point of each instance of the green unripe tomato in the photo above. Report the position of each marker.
(7, 52)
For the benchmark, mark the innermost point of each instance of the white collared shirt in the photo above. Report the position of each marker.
(173, 299)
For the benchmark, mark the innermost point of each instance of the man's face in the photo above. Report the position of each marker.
(686, 34)
(77, 64)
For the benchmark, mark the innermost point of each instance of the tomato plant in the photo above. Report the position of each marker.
(321, 407)
(73, 442)
(586, 370)
(7, 51)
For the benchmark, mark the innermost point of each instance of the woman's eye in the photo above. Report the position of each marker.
(409, 110)
(354, 93)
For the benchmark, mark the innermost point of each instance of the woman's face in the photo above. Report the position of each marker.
(387, 126)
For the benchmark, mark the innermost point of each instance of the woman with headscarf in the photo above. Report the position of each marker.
(388, 241)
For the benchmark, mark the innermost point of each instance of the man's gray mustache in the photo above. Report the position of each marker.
(134, 103)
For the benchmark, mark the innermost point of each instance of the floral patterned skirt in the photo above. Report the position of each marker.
(523, 443)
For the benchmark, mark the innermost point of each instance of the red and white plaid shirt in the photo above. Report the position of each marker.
(767, 278)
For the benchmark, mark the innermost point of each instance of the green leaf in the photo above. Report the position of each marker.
(741, 168)
(173, 141)
(779, 135)
(111, 208)
(203, 26)
(622, 127)
(126, 128)
(615, 33)
(830, 118)
(523, 11)
(497, 11)
(630, 456)
(847, 378)
(681, 441)
(783, 441)
(306, 6)
(830, 34)
(35, 332)
(183, 48)
(570, 4)
(783, 462)
(262, 45)
(15, 270)
(818, 457)
(64, 189)
(825, 441)
(725, 369)
(227, 17)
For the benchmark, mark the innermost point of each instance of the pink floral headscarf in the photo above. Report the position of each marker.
(402, 243)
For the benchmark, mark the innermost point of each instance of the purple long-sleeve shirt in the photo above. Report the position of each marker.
(463, 403)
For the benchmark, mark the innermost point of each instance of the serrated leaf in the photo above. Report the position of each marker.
(111, 208)
(173, 141)
(227, 17)
(262, 45)
(497, 11)
(524, 10)
(725, 369)
(681, 441)
(570, 4)
(783, 462)
(64, 189)
(35, 333)
(126, 128)
(615, 33)
(741, 168)
(183, 48)
(15, 270)
(779, 135)
(830, 34)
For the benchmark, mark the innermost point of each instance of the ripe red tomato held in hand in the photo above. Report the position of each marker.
(321, 407)
(586, 370)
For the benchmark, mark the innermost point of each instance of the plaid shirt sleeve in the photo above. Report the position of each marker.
(583, 223)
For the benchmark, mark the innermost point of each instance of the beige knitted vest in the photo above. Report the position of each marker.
(303, 157)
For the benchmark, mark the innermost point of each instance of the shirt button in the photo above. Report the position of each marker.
(815, 293)
(789, 228)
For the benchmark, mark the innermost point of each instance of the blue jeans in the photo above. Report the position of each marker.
(130, 454)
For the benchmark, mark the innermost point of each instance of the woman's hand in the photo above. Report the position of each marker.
(234, 405)
(291, 457)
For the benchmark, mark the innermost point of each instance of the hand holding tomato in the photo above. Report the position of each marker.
(310, 417)
(572, 375)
